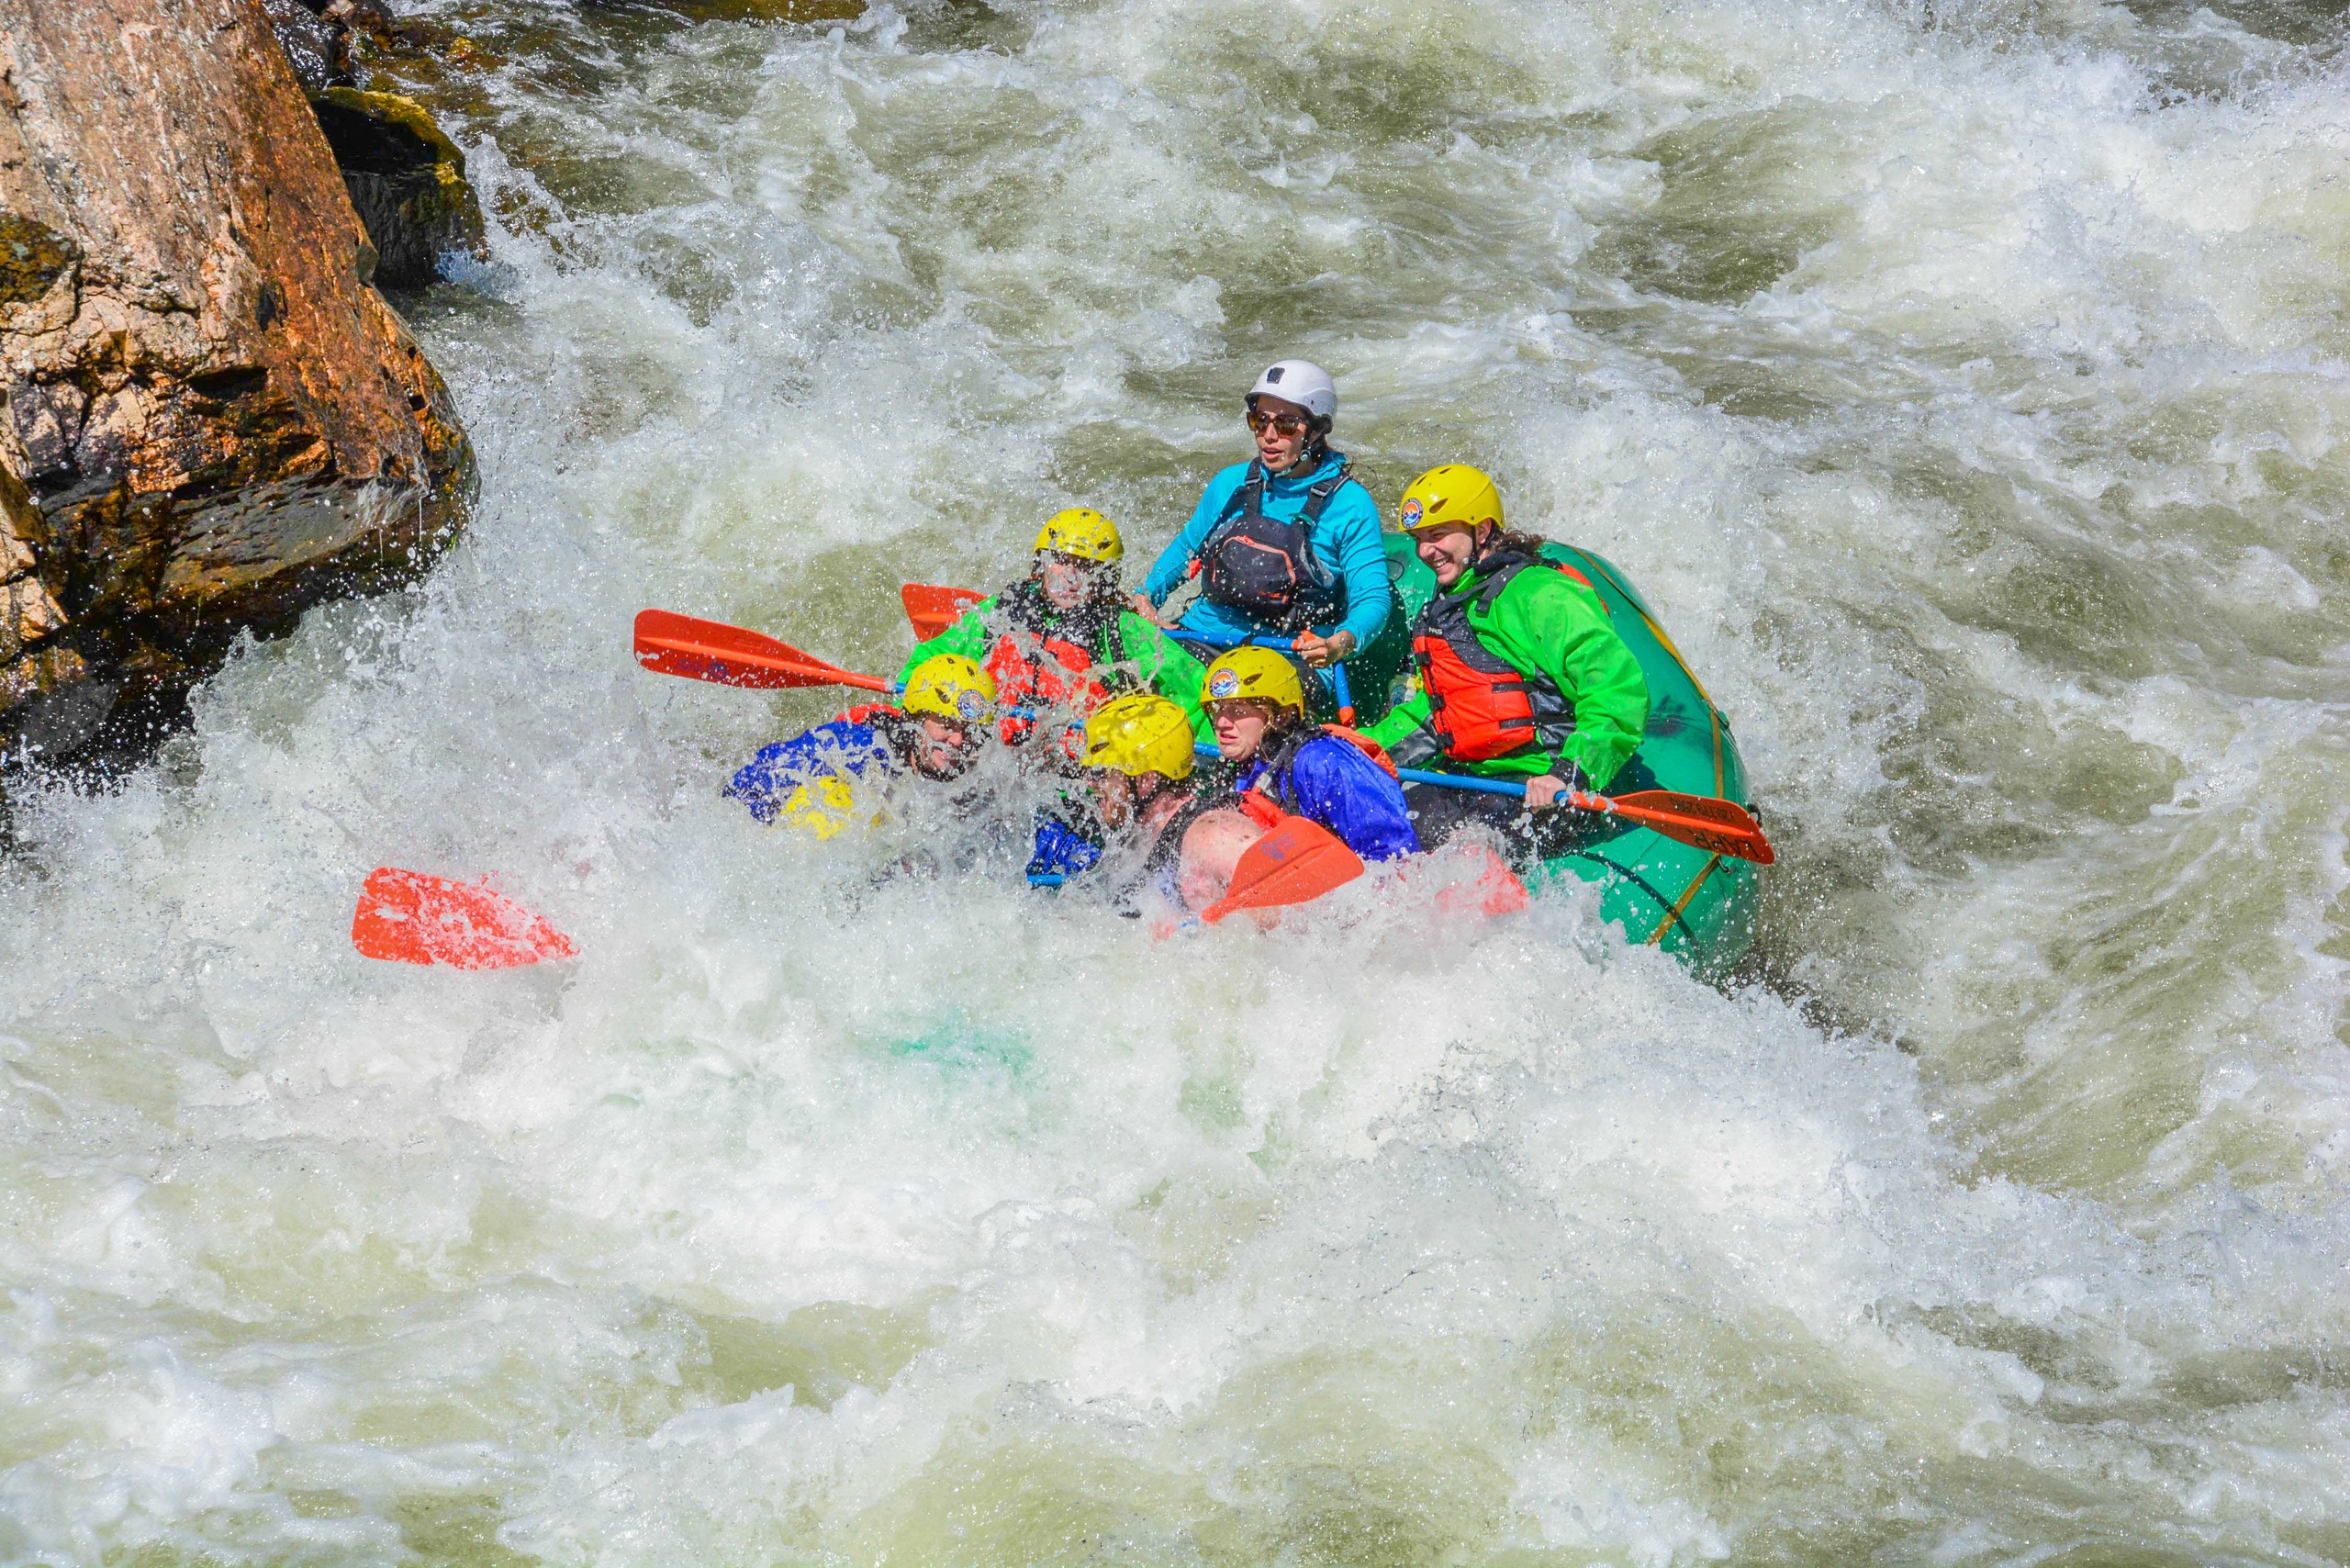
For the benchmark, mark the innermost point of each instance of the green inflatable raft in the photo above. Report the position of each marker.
(1697, 906)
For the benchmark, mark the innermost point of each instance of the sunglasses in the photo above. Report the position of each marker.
(1283, 424)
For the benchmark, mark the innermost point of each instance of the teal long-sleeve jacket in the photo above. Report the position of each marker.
(1346, 538)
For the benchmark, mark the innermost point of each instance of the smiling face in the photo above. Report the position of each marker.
(1446, 549)
(1281, 428)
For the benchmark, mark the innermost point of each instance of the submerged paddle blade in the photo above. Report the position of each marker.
(1495, 891)
(932, 609)
(670, 644)
(407, 917)
(1296, 863)
(1720, 827)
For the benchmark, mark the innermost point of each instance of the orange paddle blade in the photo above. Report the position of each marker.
(1720, 827)
(932, 609)
(670, 644)
(1296, 863)
(410, 918)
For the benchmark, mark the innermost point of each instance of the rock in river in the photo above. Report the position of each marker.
(213, 419)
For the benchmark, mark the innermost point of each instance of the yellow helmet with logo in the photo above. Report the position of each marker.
(1083, 533)
(1254, 672)
(1453, 495)
(948, 686)
(1139, 733)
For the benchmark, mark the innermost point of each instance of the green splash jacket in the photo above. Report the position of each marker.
(1544, 622)
(1165, 667)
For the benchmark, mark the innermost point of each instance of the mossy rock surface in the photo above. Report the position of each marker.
(407, 179)
(32, 258)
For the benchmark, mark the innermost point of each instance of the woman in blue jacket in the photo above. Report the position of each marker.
(1286, 545)
(1284, 767)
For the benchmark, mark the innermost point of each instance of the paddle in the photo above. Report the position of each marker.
(1719, 827)
(1296, 863)
(670, 644)
(933, 608)
(408, 917)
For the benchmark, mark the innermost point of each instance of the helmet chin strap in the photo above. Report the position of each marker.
(1480, 547)
(1316, 447)
(1306, 456)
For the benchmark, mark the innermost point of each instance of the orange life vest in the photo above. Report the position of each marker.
(1479, 705)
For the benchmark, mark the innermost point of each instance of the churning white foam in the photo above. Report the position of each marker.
(1962, 392)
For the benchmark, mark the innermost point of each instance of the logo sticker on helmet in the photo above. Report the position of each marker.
(1411, 513)
(1225, 683)
(971, 705)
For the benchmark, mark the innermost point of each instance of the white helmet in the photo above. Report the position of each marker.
(1296, 381)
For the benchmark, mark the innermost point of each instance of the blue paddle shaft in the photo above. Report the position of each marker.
(1459, 781)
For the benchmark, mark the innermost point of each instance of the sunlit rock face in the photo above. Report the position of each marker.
(217, 420)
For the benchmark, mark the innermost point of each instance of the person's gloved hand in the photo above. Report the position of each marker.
(1061, 852)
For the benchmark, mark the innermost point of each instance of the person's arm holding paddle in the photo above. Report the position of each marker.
(1349, 539)
(1173, 567)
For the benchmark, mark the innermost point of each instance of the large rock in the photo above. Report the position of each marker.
(213, 422)
(405, 177)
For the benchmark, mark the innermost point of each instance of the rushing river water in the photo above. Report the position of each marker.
(1966, 389)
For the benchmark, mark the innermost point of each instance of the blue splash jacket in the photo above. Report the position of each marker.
(841, 748)
(1333, 782)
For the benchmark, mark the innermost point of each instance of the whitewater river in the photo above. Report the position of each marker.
(1965, 388)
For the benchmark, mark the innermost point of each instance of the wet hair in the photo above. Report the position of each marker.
(1516, 543)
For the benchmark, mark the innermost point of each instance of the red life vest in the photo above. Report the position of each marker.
(1479, 705)
(1035, 666)
(1033, 671)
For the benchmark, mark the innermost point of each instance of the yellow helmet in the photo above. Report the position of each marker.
(1452, 495)
(1139, 733)
(1254, 672)
(949, 685)
(1083, 533)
